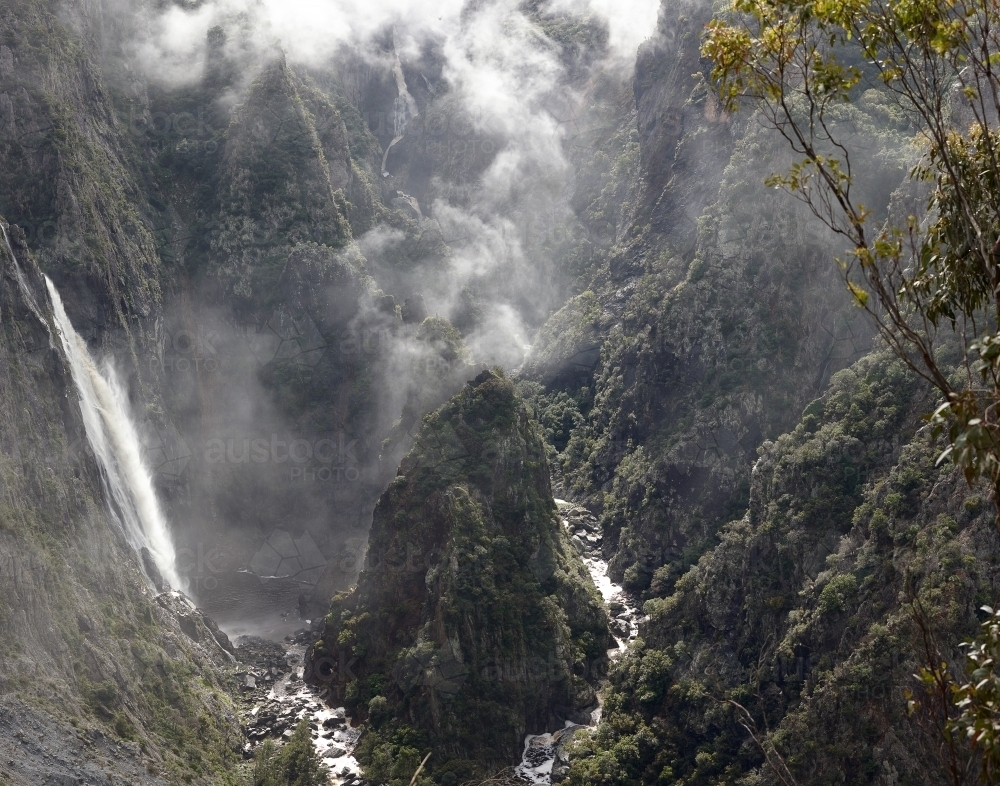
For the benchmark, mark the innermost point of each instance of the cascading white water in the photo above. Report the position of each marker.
(22, 282)
(404, 108)
(541, 750)
(116, 444)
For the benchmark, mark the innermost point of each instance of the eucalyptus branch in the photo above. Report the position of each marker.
(913, 280)
(771, 754)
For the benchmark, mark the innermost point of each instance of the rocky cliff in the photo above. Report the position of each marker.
(707, 326)
(99, 679)
(805, 624)
(760, 469)
(475, 622)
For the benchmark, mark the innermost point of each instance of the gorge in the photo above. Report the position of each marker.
(414, 395)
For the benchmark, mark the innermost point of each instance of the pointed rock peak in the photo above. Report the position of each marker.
(474, 610)
(276, 189)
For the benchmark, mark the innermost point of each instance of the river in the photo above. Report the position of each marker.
(282, 698)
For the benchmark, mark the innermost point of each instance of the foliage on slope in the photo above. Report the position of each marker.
(803, 615)
(84, 643)
(73, 173)
(296, 763)
(716, 317)
(284, 168)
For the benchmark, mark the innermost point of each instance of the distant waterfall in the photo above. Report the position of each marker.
(114, 440)
(404, 108)
(22, 282)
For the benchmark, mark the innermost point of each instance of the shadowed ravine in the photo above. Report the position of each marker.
(453, 378)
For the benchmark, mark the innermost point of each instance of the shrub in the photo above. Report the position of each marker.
(295, 764)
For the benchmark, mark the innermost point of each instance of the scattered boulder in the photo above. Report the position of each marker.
(408, 205)
(189, 625)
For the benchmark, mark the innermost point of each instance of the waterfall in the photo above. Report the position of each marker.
(404, 108)
(22, 282)
(115, 442)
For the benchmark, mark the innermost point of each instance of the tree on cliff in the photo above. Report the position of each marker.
(930, 279)
(927, 279)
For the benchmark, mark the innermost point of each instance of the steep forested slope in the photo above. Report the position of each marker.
(97, 677)
(806, 613)
(788, 552)
(475, 623)
(703, 332)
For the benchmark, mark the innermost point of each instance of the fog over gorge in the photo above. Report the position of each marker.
(492, 392)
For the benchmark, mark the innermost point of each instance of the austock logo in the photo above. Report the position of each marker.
(186, 133)
(275, 450)
(187, 351)
(459, 124)
(164, 451)
(295, 339)
(410, 558)
(324, 460)
(197, 568)
(185, 124)
(287, 557)
(440, 670)
(288, 338)
(44, 232)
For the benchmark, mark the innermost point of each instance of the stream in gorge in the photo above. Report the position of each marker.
(278, 699)
(544, 754)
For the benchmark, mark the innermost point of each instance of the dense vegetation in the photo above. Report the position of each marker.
(805, 616)
(296, 763)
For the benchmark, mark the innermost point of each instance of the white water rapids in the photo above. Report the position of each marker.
(542, 750)
(115, 442)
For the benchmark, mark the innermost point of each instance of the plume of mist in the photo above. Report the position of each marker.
(499, 63)
(310, 31)
(505, 70)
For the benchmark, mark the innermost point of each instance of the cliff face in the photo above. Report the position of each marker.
(284, 169)
(804, 623)
(709, 323)
(107, 681)
(784, 544)
(703, 385)
(73, 175)
(274, 329)
(98, 680)
(210, 247)
(214, 260)
(475, 622)
(101, 187)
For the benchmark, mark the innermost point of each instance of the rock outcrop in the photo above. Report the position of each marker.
(285, 166)
(474, 621)
(96, 667)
